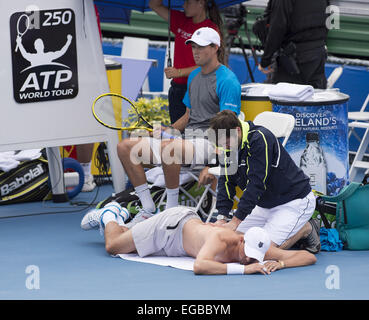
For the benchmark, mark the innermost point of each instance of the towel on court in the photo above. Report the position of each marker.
(291, 92)
(156, 177)
(184, 263)
(329, 240)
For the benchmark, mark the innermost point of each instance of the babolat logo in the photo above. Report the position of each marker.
(21, 181)
(44, 55)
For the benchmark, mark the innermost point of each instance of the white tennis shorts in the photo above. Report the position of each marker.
(281, 222)
(162, 233)
(203, 149)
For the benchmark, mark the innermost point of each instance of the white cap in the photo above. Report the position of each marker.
(205, 36)
(257, 243)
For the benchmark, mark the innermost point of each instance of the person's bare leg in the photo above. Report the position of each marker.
(175, 153)
(84, 156)
(132, 153)
(118, 239)
(84, 152)
(301, 234)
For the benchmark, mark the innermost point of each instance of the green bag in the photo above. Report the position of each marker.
(352, 214)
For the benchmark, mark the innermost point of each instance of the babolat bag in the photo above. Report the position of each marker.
(28, 182)
(352, 214)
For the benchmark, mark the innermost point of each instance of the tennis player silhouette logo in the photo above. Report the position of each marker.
(41, 57)
(44, 57)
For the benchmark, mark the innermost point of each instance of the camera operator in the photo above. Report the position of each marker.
(293, 34)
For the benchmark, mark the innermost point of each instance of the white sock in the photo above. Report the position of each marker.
(108, 217)
(144, 194)
(172, 198)
(86, 170)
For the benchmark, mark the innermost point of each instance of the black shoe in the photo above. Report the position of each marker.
(312, 242)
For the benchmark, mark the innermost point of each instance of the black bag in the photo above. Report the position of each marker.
(325, 211)
(287, 59)
(28, 182)
(260, 29)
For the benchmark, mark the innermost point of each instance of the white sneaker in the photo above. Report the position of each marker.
(141, 215)
(93, 218)
(89, 184)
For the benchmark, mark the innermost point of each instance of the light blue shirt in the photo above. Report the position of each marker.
(208, 94)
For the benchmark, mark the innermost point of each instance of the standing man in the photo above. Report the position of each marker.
(294, 48)
(276, 193)
(195, 15)
(211, 88)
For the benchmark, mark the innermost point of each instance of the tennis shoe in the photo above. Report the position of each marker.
(312, 241)
(93, 218)
(141, 215)
(89, 184)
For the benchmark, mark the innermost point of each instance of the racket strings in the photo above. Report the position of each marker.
(116, 112)
(23, 24)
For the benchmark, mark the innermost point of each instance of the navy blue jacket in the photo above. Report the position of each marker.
(266, 173)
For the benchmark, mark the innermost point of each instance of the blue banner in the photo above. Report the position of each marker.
(319, 143)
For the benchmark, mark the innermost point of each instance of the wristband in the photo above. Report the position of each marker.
(179, 72)
(233, 268)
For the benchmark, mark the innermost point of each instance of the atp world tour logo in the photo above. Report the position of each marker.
(44, 55)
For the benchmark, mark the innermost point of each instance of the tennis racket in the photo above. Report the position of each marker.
(23, 24)
(116, 112)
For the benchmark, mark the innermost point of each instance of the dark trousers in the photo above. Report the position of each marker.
(312, 69)
(176, 94)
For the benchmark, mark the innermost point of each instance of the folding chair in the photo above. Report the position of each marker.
(334, 76)
(199, 203)
(359, 119)
(280, 124)
(136, 48)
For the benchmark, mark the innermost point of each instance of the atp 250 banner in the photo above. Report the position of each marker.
(44, 55)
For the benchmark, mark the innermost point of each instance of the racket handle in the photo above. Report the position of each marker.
(17, 46)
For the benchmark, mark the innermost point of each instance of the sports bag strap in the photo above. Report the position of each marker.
(321, 207)
(344, 194)
(365, 180)
(326, 223)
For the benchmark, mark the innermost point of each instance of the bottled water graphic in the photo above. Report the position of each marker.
(313, 163)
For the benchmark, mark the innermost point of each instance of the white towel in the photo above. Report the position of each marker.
(7, 161)
(11, 159)
(27, 155)
(7, 164)
(290, 92)
(183, 263)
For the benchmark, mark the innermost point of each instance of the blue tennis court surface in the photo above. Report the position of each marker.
(48, 256)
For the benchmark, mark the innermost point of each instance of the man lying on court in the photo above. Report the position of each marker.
(179, 231)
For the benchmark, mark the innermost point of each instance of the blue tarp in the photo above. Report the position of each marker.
(112, 12)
